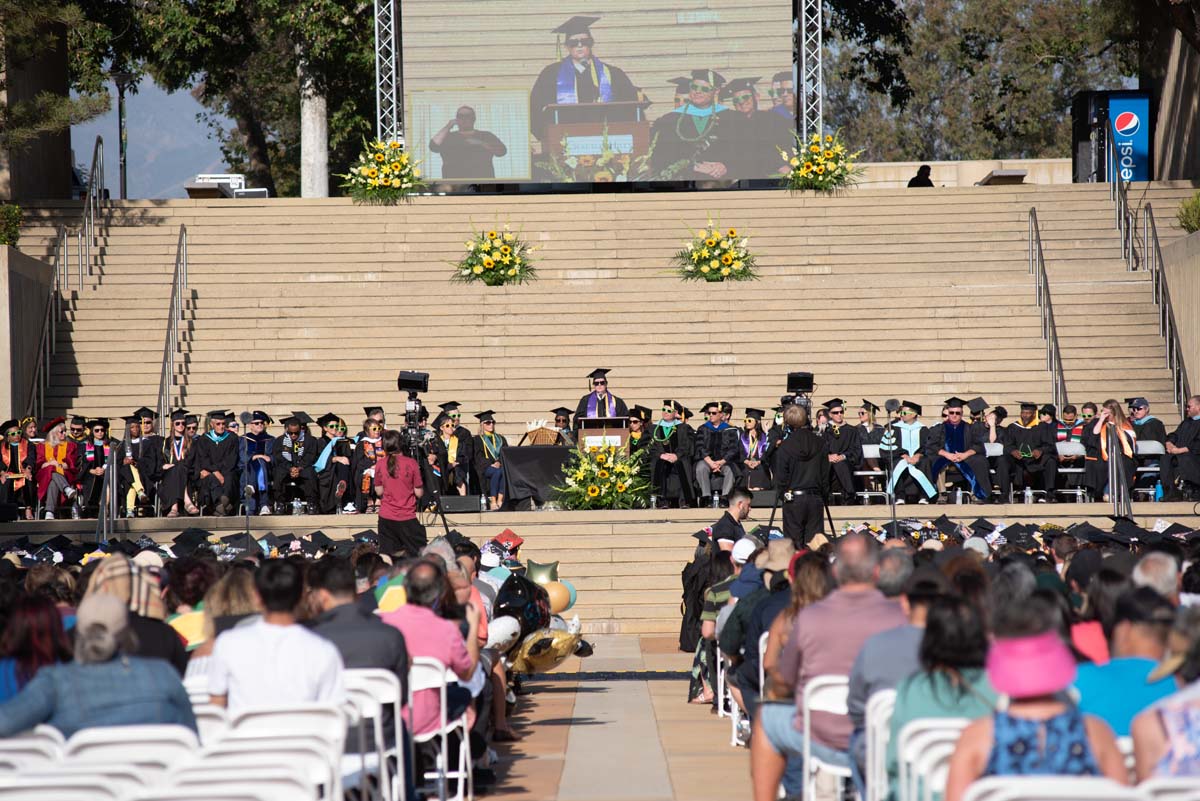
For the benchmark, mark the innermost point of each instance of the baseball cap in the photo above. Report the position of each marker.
(742, 550)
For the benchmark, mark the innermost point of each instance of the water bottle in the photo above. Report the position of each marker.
(483, 507)
(1029, 495)
(716, 500)
(1158, 492)
(653, 501)
(297, 506)
(958, 496)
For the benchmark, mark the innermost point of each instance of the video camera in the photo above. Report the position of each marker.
(411, 435)
(799, 390)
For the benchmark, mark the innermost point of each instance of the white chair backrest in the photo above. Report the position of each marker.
(384, 685)
(870, 451)
(195, 794)
(310, 756)
(762, 665)
(991, 449)
(878, 719)
(197, 689)
(1147, 447)
(427, 673)
(163, 745)
(29, 749)
(124, 779)
(1174, 788)
(211, 722)
(274, 783)
(64, 788)
(1070, 448)
(1050, 788)
(827, 694)
(323, 720)
(923, 747)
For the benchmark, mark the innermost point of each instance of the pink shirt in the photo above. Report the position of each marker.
(426, 634)
(398, 501)
(826, 638)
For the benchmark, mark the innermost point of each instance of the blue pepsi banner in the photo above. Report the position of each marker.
(1129, 118)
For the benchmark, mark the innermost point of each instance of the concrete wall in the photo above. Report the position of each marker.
(890, 175)
(1181, 260)
(1177, 135)
(25, 285)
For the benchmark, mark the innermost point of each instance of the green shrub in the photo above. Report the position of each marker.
(1189, 214)
(10, 225)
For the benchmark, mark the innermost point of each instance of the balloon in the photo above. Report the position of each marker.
(545, 648)
(520, 598)
(560, 597)
(557, 623)
(541, 574)
(571, 590)
(503, 633)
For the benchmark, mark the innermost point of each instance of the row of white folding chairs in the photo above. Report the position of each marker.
(1080, 788)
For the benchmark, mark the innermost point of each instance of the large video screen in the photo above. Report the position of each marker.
(561, 92)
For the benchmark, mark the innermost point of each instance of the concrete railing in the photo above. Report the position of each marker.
(25, 288)
(1181, 272)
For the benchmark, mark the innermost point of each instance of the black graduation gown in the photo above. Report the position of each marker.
(758, 138)
(1182, 465)
(147, 457)
(865, 437)
(582, 407)
(302, 453)
(977, 464)
(753, 477)
(215, 457)
(452, 477)
(176, 473)
(89, 485)
(716, 445)
(545, 93)
(479, 453)
(641, 446)
(334, 474)
(671, 480)
(843, 440)
(679, 145)
(1040, 437)
(26, 495)
(774, 441)
(1095, 474)
(366, 454)
(1152, 430)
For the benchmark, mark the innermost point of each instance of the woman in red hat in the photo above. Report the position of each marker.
(57, 462)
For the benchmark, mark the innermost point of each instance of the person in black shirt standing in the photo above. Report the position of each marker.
(467, 153)
(802, 479)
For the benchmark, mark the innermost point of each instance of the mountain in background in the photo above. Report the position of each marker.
(168, 145)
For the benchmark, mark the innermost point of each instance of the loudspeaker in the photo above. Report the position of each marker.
(764, 499)
(8, 512)
(458, 504)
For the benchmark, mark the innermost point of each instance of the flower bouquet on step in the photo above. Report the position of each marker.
(715, 254)
(821, 164)
(603, 478)
(384, 175)
(496, 257)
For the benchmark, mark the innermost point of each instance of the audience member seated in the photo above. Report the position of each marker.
(33, 638)
(951, 682)
(826, 638)
(229, 603)
(1160, 572)
(1118, 689)
(104, 686)
(1041, 732)
(140, 590)
(1165, 734)
(275, 661)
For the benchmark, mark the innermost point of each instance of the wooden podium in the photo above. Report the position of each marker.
(603, 431)
(581, 126)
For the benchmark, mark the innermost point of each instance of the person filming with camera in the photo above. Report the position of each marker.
(398, 484)
(802, 478)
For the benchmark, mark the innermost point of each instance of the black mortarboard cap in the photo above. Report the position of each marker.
(127, 547)
(191, 419)
(187, 541)
(78, 420)
(369, 410)
(561, 411)
(260, 416)
(754, 414)
(1048, 408)
(738, 84)
(1087, 532)
(366, 535)
(56, 543)
(982, 526)
(833, 403)
(711, 76)
(132, 418)
(242, 541)
(7, 424)
(440, 419)
(599, 372)
(73, 554)
(866, 404)
(449, 406)
(231, 417)
(703, 535)
(326, 419)
(146, 412)
(977, 405)
(483, 417)
(674, 404)
(1028, 405)
(682, 84)
(947, 526)
(954, 402)
(179, 414)
(1176, 530)
(916, 407)
(342, 548)
(1129, 531)
(577, 24)
(687, 412)
(99, 421)
(271, 540)
(1000, 412)
(309, 548)
(217, 413)
(641, 413)
(321, 538)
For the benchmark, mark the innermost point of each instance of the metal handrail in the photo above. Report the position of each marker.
(1037, 268)
(179, 283)
(1126, 219)
(95, 197)
(107, 514)
(1166, 311)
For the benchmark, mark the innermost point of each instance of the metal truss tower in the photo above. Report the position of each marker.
(810, 91)
(389, 90)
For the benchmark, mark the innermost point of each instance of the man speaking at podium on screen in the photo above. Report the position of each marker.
(578, 78)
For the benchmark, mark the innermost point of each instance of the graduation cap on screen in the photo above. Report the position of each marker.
(739, 84)
(716, 79)
(977, 405)
(576, 25)
(327, 419)
(682, 84)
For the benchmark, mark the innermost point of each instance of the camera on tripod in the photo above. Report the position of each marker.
(411, 435)
(799, 391)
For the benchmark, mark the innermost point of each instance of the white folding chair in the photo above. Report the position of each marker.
(735, 711)
(1147, 449)
(878, 729)
(164, 746)
(35, 747)
(429, 674)
(211, 722)
(309, 755)
(195, 794)
(57, 788)
(762, 663)
(269, 783)
(921, 747)
(1175, 788)
(1125, 746)
(721, 695)
(992, 450)
(822, 694)
(326, 722)
(197, 689)
(1050, 788)
(871, 478)
(384, 687)
(124, 779)
(1071, 449)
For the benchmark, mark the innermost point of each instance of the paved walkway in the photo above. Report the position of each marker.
(628, 739)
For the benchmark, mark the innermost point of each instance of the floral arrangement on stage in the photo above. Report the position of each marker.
(603, 478)
(715, 254)
(823, 166)
(606, 167)
(384, 174)
(496, 257)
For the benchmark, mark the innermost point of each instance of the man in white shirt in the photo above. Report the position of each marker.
(275, 661)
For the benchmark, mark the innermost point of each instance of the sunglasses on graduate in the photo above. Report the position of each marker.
(454, 416)
(784, 90)
(13, 433)
(714, 411)
(954, 414)
(600, 383)
(837, 411)
(583, 41)
(862, 413)
(743, 97)
(1087, 416)
(700, 87)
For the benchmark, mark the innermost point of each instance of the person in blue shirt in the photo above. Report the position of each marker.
(33, 639)
(1118, 690)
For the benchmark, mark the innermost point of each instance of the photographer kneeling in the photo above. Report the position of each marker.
(802, 477)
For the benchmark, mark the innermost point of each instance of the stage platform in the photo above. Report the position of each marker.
(625, 564)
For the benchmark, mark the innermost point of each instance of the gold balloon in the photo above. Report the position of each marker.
(560, 596)
(541, 574)
(544, 649)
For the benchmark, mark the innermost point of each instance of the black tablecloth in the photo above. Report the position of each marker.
(531, 470)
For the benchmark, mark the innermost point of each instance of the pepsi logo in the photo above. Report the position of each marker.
(1126, 123)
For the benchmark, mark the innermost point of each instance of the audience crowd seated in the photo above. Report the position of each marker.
(1063, 655)
(217, 471)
